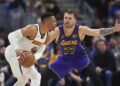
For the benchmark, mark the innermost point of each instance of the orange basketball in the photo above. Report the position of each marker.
(27, 59)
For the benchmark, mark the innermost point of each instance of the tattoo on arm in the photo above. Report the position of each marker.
(106, 31)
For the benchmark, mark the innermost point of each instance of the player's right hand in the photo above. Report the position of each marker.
(18, 52)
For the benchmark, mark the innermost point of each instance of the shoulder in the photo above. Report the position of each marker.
(83, 27)
(29, 30)
(56, 31)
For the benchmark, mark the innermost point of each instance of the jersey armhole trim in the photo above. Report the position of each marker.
(81, 40)
(59, 35)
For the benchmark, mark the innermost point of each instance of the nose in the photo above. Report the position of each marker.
(66, 21)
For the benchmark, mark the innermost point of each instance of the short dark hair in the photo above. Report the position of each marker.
(101, 40)
(45, 16)
(71, 11)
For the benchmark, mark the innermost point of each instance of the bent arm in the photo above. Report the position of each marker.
(16, 36)
(53, 35)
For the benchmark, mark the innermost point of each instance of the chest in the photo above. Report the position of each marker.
(68, 41)
(68, 32)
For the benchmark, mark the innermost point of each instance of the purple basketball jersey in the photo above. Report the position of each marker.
(70, 45)
(72, 56)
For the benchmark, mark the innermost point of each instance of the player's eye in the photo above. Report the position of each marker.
(66, 18)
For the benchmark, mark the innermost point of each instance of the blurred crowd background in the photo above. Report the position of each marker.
(103, 51)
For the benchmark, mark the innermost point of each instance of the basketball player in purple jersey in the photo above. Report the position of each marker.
(73, 55)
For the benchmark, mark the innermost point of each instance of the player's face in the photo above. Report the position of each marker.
(52, 23)
(69, 20)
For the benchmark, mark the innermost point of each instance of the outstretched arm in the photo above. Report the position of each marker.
(53, 35)
(96, 32)
(99, 32)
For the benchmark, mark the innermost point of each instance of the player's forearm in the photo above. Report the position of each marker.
(47, 42)
(51, 38)
(106, 31)
(40, 51)
(14, 38)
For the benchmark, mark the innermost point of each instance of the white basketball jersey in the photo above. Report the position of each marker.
(27, 44)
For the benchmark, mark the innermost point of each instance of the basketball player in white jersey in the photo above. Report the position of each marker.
(28, 38)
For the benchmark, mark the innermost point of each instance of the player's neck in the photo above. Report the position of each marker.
(68, 31)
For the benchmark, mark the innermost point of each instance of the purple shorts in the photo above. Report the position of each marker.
(64, 64)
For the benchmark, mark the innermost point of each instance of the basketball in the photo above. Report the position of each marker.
(27, 59)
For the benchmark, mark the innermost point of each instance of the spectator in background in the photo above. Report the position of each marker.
(118, 39)
(76, 78)
(105, 62)
(115, 48)
(3, 61)
(16, 13)
(2, 32)
(3, 14)
(3, 36)
(51, 6)
(4, 67)
(114, 11)
(114, 7)
(33, 12)
(29, 16)
(39, 9)
(98, 6)
(93, 48)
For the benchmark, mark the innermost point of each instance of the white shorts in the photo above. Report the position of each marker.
(18, 70)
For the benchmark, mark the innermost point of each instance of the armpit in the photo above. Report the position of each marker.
(81, 34)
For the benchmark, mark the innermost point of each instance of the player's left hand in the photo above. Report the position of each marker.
(18, 52)
(117, 26)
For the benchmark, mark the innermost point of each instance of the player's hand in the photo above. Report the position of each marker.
(21, 55)
(117, 26)
(18, 52)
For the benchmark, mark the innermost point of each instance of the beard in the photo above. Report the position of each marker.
(67, 25)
